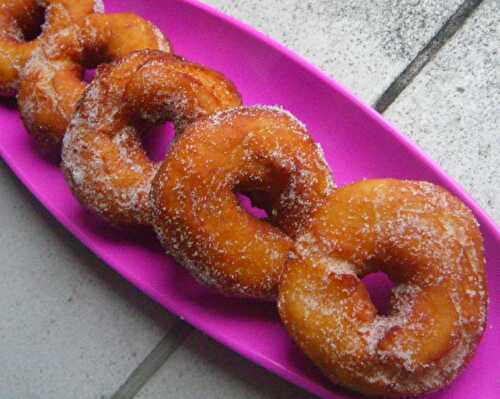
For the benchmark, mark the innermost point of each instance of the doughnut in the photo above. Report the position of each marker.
(103, 159)
(196, 214)
(22, 20)
(429, 244)
(52, 82)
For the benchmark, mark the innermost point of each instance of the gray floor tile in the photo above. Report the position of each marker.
(452, 109)
(202, 368)
(70, 327)
(362, 44)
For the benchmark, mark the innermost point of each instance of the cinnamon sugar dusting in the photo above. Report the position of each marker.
(59, 62)
(103, 158)
(240, 141)
(428, 242)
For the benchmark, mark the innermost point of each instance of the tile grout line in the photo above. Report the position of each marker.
(426, 54)
(172, 340)
(181, 330)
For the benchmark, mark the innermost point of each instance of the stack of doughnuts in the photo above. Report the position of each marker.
(317, 241)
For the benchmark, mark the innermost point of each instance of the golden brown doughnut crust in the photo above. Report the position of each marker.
(52, 83)
(103, 158)
(197, 215)
(429, 244)
(20, 19)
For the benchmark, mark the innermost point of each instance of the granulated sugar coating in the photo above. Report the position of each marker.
(19, 22)
(52, 81)
(429, 244)
(103, 158)
(262, 152)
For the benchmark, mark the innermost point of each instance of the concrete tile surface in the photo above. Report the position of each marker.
(202, 368)
(70, 327)
(452, 108)
(364, 45)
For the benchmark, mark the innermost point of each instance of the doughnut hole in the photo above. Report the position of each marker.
(88, 75)
(379, 286)
(255, 195)
(31, 23)
(157, 141)
(253, 209)
(259, 195)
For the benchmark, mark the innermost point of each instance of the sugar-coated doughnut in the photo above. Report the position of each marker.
(253, 150)
(103, 158)
(22, 20)
(430, 246)
(52, 82)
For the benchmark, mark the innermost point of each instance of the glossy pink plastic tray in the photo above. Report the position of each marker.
(358, 144)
